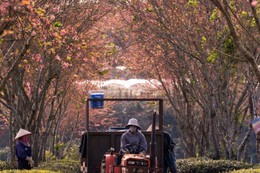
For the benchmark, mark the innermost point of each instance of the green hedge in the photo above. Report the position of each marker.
(206, 165)
(191, 165)
(246, 171)
(27, 171)
(64, 166)
(3, 154)
(6, 166)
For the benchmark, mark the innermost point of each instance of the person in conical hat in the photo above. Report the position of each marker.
(133, 140)
(23, 150)
(169, 160)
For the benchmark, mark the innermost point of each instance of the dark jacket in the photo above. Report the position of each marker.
(169, 155)
(168, 142)
(22, 151)
(83, 146)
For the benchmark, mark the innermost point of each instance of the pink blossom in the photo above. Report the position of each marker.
(254, 3)
(29, 87)
(41, 67)
(33, 33)
(38, 21)
(4, 6)
(38, 57)
(3, 10)
(65, 64)
(52, 17)
(80, 54)
(63, 32)
(55, 10)
(58, 57)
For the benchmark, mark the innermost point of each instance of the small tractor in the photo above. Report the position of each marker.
(98, 149)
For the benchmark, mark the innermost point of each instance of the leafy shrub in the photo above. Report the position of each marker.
(73, 153)
(246, 171)
(3, 154)
(59, 149)
(49, 156)
(27, 171)
(6, 165)
(206, 165)
(64, 166)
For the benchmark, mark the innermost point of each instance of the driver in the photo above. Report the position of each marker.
(134, 138)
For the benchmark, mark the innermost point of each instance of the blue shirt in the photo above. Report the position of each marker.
(22, 151)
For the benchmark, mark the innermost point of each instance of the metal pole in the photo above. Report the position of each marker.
(161, 114)
(161, 130)
(87, 123)
(87, 115)
(152, 144)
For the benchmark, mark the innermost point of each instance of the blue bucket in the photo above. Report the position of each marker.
(96, 104)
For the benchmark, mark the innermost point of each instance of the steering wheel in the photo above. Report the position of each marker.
(131, 149)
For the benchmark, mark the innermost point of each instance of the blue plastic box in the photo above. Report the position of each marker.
(96, 104)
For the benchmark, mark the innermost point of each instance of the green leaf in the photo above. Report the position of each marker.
(193, 3)
(244, 14)
(153, 103)
(57, 24)
(213, 16)
(203, 41)
(150, 10)
(113, 51)
(2, 40)
(103, 73)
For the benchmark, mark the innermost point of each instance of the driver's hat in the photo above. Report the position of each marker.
(133, 122)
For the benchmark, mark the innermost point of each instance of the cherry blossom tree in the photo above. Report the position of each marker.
(45, 48)
(189, 47)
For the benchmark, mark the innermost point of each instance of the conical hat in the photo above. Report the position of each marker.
(150, 128)
(22, 133)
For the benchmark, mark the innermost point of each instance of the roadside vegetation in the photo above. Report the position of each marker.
(191, 165)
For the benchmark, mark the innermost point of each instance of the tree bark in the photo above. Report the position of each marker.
(243, 144)
(258, 145)
(11, 141)
(214, 139)
(71, 135)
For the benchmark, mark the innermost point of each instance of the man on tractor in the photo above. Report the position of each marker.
(132, 141)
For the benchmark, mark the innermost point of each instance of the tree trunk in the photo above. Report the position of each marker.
(258, 145)
(11, 142)
(245, 157)
(243, 144)
(214, 139)
(35, 148)
(71, 135)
